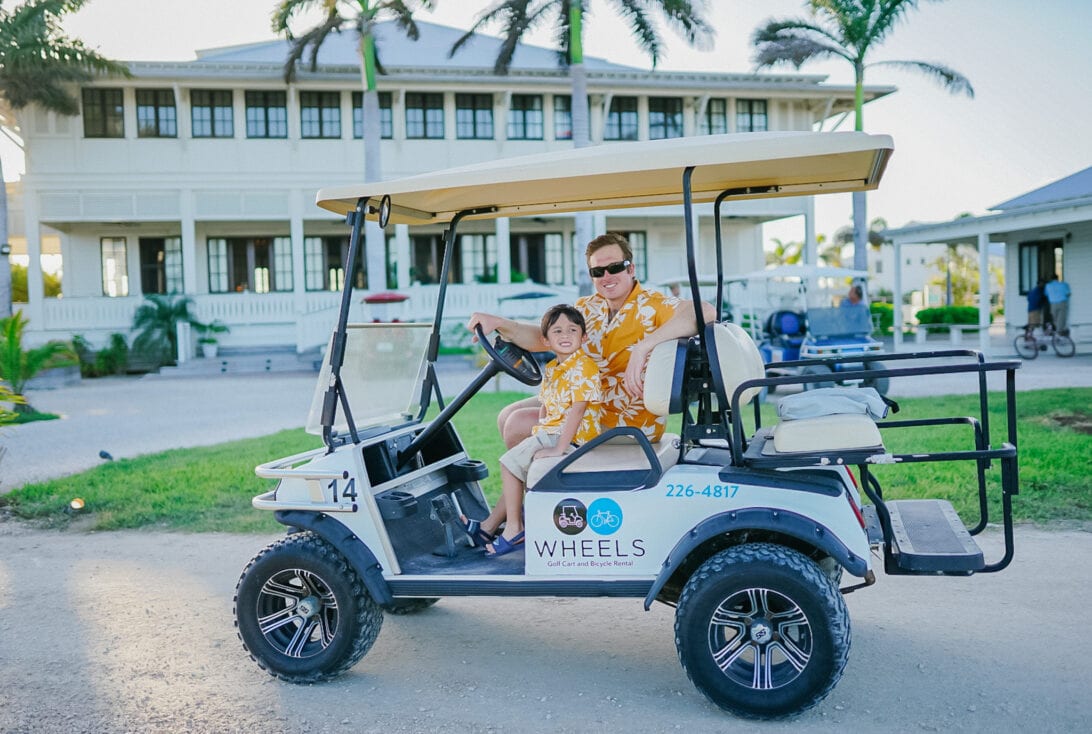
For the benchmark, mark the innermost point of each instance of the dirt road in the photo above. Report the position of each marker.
(132, 632)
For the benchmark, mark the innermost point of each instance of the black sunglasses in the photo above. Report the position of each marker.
(614, 268)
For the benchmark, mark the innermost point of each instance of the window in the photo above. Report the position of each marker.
(1039, 260)
(254, 265)
(425, 115)
(525, 117)
(715, 119)
(750, 115)
(622, 119)
(563, 117)
(156, 114)
(664, 117)
(554, 245)
(161, 265)
(211, 114)
(386, 118)
(477, 261)
(320, 114)
(324, 264)
(474, 116)
(103, 113)
(266, 115)
(530, 254)
(115, 267)
(638, 242)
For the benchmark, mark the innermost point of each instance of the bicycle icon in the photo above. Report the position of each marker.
(604, 518)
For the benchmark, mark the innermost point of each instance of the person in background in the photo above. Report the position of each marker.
(855, 297)
(1035, 308)
(1057, 295)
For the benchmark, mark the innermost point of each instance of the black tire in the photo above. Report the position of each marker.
(1026, 346)
(817, 369)
(302, 612)
(408, 606)
(1063, 345)
(880, 383)
(728, 620)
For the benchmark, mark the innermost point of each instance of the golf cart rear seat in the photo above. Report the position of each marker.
(735, 359)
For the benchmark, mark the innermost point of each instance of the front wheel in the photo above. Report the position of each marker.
(1026, 346)
(881, 384)
(302, 612)
(817, 369)
(762, 631)
(1063, 345)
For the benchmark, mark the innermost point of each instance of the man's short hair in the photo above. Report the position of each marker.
(562, 309)
(606, 240)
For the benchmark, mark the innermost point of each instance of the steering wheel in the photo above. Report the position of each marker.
(511, 359)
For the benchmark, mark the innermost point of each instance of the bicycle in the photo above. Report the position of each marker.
(1036, 339)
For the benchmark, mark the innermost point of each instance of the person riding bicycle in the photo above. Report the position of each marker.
(1035, 307)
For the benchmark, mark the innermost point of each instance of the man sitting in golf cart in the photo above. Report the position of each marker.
(625, 321)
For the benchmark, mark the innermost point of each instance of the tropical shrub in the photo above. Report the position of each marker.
(110, 360)
(18, 365)
(156, 323)
(883, 315)
(948, 315)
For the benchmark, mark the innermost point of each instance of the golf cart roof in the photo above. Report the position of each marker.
(621, 175)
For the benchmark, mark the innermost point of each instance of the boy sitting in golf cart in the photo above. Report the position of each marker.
(569, 416)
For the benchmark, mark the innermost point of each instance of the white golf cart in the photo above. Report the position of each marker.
(745, 528)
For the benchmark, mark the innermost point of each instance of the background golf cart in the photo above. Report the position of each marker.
(796, 315)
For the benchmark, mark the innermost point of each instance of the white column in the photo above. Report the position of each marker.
(984, 292)
(504, 250)
(811, 247)
(295, 235)
(896, 296)
(188, 224)
(35, 288)
(402, 250)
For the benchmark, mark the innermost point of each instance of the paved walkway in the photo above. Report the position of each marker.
(128, 416)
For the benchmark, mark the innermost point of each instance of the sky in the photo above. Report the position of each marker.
(1026, 126)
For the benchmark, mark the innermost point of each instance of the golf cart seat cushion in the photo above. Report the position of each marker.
(825, 433)
(621, 454)
(664, 375)
(735, 359)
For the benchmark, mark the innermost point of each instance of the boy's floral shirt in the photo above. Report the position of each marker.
(610, 342)
(575, 380)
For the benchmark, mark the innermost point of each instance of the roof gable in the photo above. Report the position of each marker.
(1076, 186)
(395, 50)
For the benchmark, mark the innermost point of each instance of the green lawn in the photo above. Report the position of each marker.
(209, 489)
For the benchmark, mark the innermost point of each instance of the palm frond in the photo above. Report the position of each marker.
(641, 27)
(312, 39)
(795, 43)
(948, 77)
(686, 18)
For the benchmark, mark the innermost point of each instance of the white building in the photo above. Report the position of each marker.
(198, 177)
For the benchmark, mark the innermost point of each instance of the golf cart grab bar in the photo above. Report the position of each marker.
(276, 469)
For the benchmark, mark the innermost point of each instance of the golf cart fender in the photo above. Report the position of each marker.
(345, 541)
(757, 518)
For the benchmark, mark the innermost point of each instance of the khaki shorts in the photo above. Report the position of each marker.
(1035, 318)
(518, 458)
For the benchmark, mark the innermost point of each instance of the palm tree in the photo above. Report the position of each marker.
(38, 63)
(784, 253)
(847, 29)
(360, 17)
(19, 365)
(517, 17)
(157, 321)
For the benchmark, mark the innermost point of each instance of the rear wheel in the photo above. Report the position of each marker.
(817, 369)
(1063, 345)
(762, 631)
(1026, 346)
(880, 383)
(302, 612)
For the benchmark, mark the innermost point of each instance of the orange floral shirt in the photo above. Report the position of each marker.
(610, 342)
(576, 380)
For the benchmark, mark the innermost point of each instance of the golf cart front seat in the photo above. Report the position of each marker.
(622, 458)
(734, 359)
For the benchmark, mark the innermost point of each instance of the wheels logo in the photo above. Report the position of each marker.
(570, 516)
(604, 516)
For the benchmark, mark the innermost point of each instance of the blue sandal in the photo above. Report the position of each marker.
(480, 538)
(502, 546)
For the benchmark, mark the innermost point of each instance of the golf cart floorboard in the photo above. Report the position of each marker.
(927, 536)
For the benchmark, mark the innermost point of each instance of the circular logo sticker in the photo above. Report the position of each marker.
(570, 516)
(604, 516)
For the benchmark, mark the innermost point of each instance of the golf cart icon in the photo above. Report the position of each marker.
(570, 517)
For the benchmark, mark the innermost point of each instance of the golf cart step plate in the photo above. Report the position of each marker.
(929, 537)
(872, 525)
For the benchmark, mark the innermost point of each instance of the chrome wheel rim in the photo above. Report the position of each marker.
(760, 639)
(297, 613)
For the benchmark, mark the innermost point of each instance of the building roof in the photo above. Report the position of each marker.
(430, 50)
(1071, 188)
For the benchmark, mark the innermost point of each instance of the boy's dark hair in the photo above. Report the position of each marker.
(562, 309)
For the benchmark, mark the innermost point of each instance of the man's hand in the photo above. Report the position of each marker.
(634, 379)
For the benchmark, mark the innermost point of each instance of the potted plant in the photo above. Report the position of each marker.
(207, 338)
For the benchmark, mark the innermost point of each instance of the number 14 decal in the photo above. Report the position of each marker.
(349, 491)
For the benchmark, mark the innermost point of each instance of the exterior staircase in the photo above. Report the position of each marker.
(235, 361)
